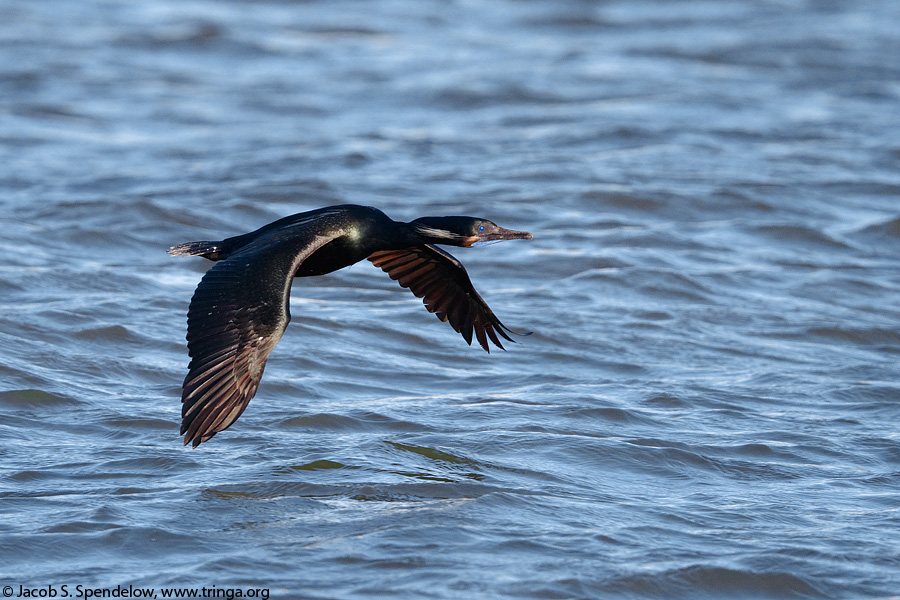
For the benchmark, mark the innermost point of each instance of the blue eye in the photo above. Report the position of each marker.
(481, 228)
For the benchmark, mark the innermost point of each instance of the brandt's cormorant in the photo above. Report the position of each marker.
(241, 306)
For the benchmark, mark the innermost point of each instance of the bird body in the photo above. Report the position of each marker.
(241, 306)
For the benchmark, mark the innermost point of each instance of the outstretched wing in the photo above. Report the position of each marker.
(237, 315)
(443, 284)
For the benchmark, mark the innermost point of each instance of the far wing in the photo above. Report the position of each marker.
(443, 284)
(237, 315)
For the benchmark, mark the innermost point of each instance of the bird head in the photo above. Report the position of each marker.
(464, 231)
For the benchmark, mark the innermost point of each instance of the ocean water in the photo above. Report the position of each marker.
(708, 406)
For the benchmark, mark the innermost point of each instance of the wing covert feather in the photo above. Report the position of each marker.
(446, 290)
(238, 313)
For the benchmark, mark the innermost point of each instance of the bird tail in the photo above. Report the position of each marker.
(210, 250)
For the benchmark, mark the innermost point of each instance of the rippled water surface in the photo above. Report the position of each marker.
(708, 405)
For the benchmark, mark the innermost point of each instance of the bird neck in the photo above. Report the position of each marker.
(437, 230)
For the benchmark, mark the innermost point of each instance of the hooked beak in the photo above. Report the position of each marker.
(498, 235)
(508, 234)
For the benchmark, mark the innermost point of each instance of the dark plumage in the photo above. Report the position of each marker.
(242, 305)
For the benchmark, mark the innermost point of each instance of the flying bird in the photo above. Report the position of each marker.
(241, 307)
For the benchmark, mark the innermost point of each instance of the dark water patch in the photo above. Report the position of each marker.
(10, 287)
(313, 190)
(472, 98)
(577, 356)
(41, 546)
(864, 337)
(667, 401)
(652, 315)
(265, 491)
(757, 450)
(137, 491)
(80, 527)
(619, 200)
(800, 235)
(536, 120)
(765, 453)
(16, 183)
(887, 231)
(653, 239)
(886, 481)
(140, 424)
(733, 199)
(663, 283)
(181, 36)
(889, 190)
(345, 31)
(875, 395)
(681, 458)
(361, 492)
(22, 79)
(707, 581)
(110, 333)
(52, 113)
(611, 414)
(35, 398)
(141, 541)
(722, 204)
(857, 292)
(674, 286)
(316, 465)
(502, 399)
(880, 449)
(149, 465)
(362, 422)
(568, 20)
(33, 476)
(440, 477)
(440, 466)
(433, 454)
(103, 184)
